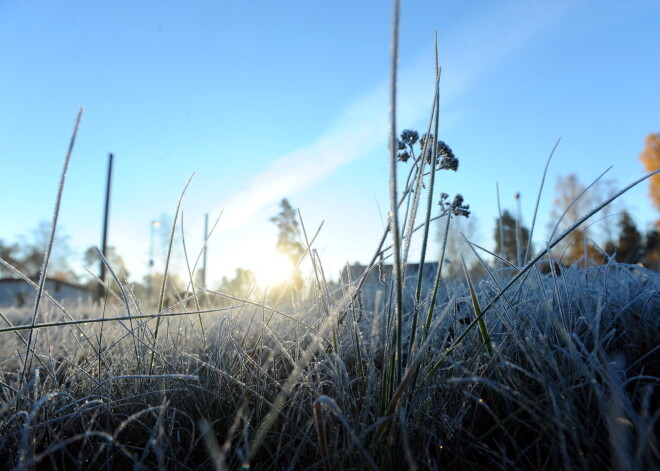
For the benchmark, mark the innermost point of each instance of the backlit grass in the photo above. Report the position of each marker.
(518, 370)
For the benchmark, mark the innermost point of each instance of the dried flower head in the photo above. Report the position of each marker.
(409, 137)
(424, 138)
(447, 159)
(403, 156)
(456, 207)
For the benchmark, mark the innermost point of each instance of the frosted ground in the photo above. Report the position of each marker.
(572, 383)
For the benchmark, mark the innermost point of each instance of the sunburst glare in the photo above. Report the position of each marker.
(274, 269)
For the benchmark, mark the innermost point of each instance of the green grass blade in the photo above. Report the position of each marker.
(477, 310)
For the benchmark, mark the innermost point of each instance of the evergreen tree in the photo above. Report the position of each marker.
(629, 247)
(651, 255)
(287, 239)
(507, 245)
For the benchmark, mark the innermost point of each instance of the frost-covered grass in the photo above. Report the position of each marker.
(351, 378)
(572, 384)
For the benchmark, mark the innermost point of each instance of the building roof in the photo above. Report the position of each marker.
(54, 280)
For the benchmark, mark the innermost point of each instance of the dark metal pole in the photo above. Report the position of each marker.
(104, 243)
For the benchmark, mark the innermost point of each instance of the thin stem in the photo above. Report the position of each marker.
(394, 214)
(538, 201)
(167, 264)
(429, 202)
(44, 268)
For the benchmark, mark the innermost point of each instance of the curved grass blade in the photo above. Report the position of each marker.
(161, 300)
(477, 310)
(49, 248)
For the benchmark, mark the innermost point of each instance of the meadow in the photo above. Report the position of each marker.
(518, 369)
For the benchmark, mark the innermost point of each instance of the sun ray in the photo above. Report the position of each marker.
(274, 269)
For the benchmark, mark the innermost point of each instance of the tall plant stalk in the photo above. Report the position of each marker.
(44, 268)
(394, 213)
(163, 287)
(429, 202)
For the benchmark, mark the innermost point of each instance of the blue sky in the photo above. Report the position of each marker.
(266, 100)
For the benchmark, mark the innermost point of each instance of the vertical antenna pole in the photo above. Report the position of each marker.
(104, 242)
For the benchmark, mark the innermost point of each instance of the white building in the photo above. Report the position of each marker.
(18, 293)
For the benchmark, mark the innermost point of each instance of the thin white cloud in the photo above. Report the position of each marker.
(465, 57)
(363, 128)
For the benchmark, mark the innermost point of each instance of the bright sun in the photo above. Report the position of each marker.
(274, 268)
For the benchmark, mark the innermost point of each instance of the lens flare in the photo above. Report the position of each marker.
(274, 269)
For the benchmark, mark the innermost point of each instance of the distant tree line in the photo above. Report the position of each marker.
(27, 255)
(622, 241)
(628, 244)
(614, 235)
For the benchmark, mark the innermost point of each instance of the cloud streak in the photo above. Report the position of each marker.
(362, 129)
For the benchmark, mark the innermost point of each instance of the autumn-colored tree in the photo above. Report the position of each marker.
(571, 203)
(650, 157)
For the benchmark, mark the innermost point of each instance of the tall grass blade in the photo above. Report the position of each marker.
(419, 184)
(296, 374)
(320, 432)
(429, 203)
(538, 202)
(334, 408)
(44, 268)
(410, 373)
(477, 310)
(126, 303)
(191, 272)
(394, 210)
(161, 299)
